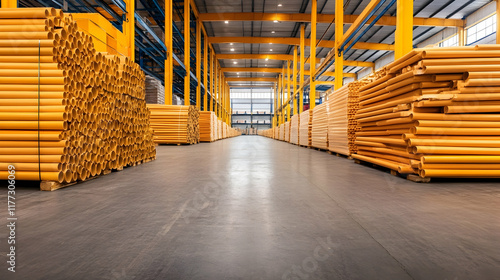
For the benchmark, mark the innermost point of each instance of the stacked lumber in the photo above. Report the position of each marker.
(207, 121)
(219, 129)
(294, 129)
(155, 91)
(338, 130)
(319, 127)
(282, 132)
(435, 113)
(224, 130)
(287, 131)
(305, 123)
(67, 111)
(175, 124)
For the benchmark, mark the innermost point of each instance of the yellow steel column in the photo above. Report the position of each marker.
(283, 87)
(169, 63)
(219, 91)
(10, 4)
(461, 36)
(312, 84)
(294, 81)
(198, 63)
(288, 87)
(280, 84)
(205, 73)
(187, 51)
(212, 79)
(129, 27)
(275, 102)
(404, 28)
(302, 63)
(339, 56)
(498, 22)
(216, 84)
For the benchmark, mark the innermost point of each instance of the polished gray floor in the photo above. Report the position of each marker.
(255, 208)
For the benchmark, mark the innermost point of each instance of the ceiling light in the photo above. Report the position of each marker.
(237, 73)
(230, 44)
(267, 59)
(273, 32)
(270, 43)
(226, 21)
(271, 50)
(265, 65)
(232, 50)
(235, 62)
(276, 21)
(279, 5)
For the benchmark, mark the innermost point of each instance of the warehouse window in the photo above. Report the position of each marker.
(450, 42)
(481, 30)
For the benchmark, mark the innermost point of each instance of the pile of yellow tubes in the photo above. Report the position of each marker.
(338, 122)
(175, 124)
(319, 126)
(435, 113)
(67, 112)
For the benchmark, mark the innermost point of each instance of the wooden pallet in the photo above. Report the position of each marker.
(53, 185)
(340, 155)
(409, 177)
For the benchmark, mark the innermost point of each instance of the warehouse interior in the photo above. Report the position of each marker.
(259, 139)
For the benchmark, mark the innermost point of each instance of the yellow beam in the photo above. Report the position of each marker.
(312, 54)
(288, 88)
(11, 4)
(302, 63)
(198, 64)
(294, 81)
(359, 19)
(287, 57)
(339, 56)
(404, 28)
(169, 63)
(129, 27)
(187, 52)
(322, 18)
(212, 79)
(296, 42)
(243, 79)
(205, 74)
(251, 69)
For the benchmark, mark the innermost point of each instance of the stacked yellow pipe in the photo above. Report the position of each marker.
(319, 126)
(434, 112)
(175, 124)
(67, 112)
(294, 129)
(207, 126)
(305, 128)
(338, 122)
(287, 132)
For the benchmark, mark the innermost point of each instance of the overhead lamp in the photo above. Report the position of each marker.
(226, 21)
(232, 49)
(230, 44)
(235, 62)
(267, 59)
(271, 50)
(273, 32)
(276, 21)
(279, 5)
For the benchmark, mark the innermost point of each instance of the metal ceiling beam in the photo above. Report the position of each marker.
(243, 79)
(295, 41)
(276, 70)
(287, 57)
(323, 18)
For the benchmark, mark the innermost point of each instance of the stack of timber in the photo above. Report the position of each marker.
(175, 124)
(435, 113)
(224, 130)
(155, 91)
(282, 132)
(287, 131)
(219, 129)
(216, 127)
(305, 128)
(319, 126)
(67, 111)
(338, 131)
(294, 129)
(207, 126)
(276, 132)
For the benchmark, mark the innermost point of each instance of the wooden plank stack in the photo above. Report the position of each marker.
(67, 111)
(207, 126)
(219, 129)
(319, 127)
(175, 124)
(294, 129)
(305, 128)
(276, 133)
(155, 91)
(338, 141)
(287, 131)
(435, 112)
(282, 132)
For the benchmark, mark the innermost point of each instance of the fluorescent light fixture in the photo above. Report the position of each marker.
(232, 50)
(235, 62)
(226, 21)
(273, 32)
(276, 21)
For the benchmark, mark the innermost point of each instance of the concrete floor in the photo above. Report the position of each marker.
(256, 208)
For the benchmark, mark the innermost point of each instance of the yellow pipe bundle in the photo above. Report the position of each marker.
(206, 121)
(305, 123)
(67, 111)
(338, 122)
(287, 132)
(319, 126)
(434, 112)
(294, 129)
(174, 124)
